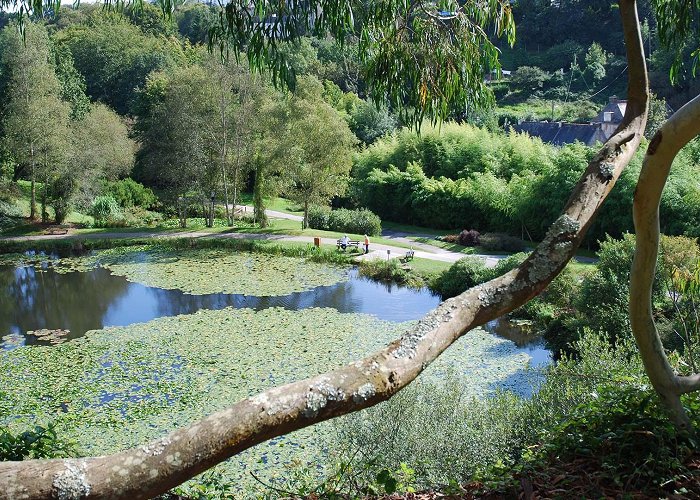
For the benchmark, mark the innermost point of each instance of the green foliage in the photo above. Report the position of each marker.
(434, 433)
(101, 150)
(499, 242)
(343, 220)
(424, 74)
(390, 270)
(369, 122)
(463, 274)
(621, 439)
(461, 176)
(596, 59)
(72, 83)
(471, 271)
(115, 56)
(35, 120)
(40, 442)
(129, 193)
(104, 209)
(318, 147)
(600, 301)
(194, 22)
(528, 78)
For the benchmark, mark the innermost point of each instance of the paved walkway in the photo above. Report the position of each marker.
(377, 251)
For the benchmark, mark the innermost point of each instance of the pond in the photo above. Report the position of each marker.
(158, 340)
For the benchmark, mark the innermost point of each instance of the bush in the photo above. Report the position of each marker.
(361, 221)
(445, 437)
(463, 274)
(469, 238)
(319, 217)
(129, 193)
(390, 270)
(105, 208)
(10, 215)
(507, 264)
(40, 442)
(499, 242)
(449, 238)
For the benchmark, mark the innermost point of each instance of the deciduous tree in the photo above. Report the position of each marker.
(35, 119)
(319, 148)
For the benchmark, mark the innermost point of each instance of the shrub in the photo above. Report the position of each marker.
(361, 221)
(463, 274)
(104, 208)
(129, 193)
(499, 242)
(449, 238)
(443, 436)
(40, 442)
(468, 238)
(507, 264)
(318, 217)
(390, 270)
(10, 215)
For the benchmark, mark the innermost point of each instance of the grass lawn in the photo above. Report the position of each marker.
(292, 227)
(407, 228)
(426, 267)
(276, 204)
(455, 247)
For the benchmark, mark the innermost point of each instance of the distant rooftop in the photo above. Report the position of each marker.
(613, 112)
(559, 133)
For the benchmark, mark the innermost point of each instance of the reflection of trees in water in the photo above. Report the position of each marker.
(339, 296)
(174, 302)
(82, 301)
(76, 301)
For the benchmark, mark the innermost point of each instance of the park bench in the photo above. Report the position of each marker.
(408, 256)
(351, 243)
(60, 229)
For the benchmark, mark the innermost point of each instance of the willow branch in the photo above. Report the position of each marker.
(158, 466)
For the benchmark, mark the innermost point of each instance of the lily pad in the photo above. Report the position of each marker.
(120, 387)
(200, 271)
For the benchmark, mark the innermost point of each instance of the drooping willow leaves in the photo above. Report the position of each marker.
(428, 59)
(677, 22)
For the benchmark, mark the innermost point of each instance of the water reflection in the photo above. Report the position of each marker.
(81, 301)
(36, 298)
(521, 335)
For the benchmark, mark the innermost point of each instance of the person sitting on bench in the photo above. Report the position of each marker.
(344, 242)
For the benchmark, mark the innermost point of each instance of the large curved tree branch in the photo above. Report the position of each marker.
(154, 468)
(673, 135)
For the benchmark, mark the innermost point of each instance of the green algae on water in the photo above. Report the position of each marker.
(199, 271)
(120, 387)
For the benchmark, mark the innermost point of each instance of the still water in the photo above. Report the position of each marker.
(37, 298)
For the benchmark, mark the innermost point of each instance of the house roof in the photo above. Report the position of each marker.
(615, 106)
(559, 133)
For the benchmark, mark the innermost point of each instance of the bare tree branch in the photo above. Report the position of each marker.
(158, 466)
(678, 130)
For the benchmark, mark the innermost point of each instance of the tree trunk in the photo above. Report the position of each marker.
(236, 171)
(678, 130)
(224, 152)
(44, 194)
(32, 203)
(305, 222)
(258, 199)
(154, 468)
